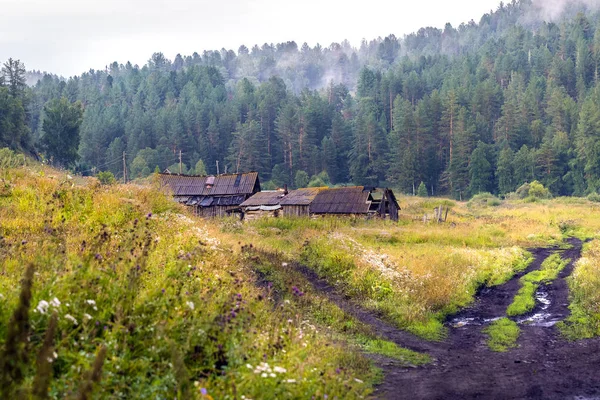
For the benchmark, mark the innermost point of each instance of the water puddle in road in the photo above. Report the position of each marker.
(538, 319)
(460, 322)
(541, 318)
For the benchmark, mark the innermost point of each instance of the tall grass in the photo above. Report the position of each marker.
(131, 277)
(584, 285)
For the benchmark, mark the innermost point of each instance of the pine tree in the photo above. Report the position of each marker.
(61, 130)
(480, 171)
(504, 171)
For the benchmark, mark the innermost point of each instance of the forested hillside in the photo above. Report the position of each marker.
(483, 107)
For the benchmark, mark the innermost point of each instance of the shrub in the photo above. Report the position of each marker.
(484, 200)
(532, 192)
(10, 159)
(538, 190)
(106, 177)
(595, 197)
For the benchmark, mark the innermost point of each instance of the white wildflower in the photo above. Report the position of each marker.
(71, 318)
(272, 375)
(291, 381)
(50, 359)
(249, 366)
(190, 304)
(87, 316)
(287, 301)
(264, 375)
(358, 380)
(42, 306)
(54, 355)
(280, 370)
(55, 302)
(91, 302)
(284, 264)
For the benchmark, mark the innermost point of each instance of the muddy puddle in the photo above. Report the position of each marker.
(464, 321)
(539, 318)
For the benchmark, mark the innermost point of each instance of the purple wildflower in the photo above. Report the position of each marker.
(203, 391)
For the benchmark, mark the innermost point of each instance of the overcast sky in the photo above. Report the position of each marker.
(68, 37)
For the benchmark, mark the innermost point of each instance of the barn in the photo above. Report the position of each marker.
(212, 196)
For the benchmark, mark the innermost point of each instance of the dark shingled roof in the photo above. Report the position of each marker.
(344, 200)
(269, 198)
(222, 185)
(301, 197)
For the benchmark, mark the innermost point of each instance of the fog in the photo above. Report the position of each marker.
(69, 37)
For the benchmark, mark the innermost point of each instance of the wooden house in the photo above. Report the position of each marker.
(263, 204)
(297, 202)
(212, 196)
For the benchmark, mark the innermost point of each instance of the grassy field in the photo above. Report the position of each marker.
(162, 304)
(416, 273)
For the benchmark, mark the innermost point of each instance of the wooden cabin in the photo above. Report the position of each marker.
(297, 202)
(263, 204)
(212, 196)
(354, 201)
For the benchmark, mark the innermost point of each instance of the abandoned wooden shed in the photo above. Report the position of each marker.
(355, 200)
(297, 202)
(263, 204)
(212, 196)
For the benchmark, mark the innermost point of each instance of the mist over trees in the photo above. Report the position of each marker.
(486, 106)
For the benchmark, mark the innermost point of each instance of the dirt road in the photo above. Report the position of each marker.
(544, 366)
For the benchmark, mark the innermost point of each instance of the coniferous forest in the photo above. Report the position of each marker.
(482, 107)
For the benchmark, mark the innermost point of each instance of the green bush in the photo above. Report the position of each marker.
(10, 159)
(595, 197)
(106, 177)
(532, 192)
(484, 200)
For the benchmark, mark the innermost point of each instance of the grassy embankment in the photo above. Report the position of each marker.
(584, 286)
(147, 298)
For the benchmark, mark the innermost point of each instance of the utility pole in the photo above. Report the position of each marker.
(124, 169)
(217, 167)
(179, 162)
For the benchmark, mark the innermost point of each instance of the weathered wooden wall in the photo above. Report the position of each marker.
(296, 211)
(213, 211)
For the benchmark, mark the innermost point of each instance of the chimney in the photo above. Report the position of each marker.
(285, 190)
